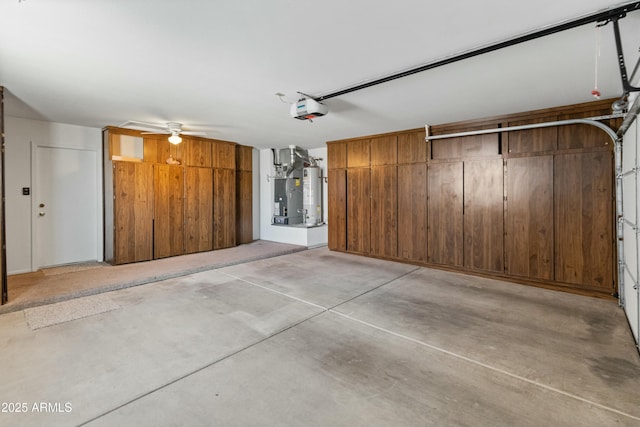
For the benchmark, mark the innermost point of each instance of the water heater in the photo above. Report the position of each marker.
(312, 195)
(297, 188)
(288, 200)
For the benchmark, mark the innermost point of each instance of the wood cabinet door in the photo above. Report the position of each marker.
(465, 147)
(358, 153)
(445, 238)
(384, 150)
(529, 217)
(197, 152)
(133, 212)
(224, 208)
(157, 149)
(384, 211)
(337, 155)
(198, 209)
(223, 155)
(412, 147)
(581, 136)
(484, 215)
(337, 199)
(168, 222)
(533, 140)
(244, 206)
(584, 219)
(412, 212)
(358, 209)
(244, 158)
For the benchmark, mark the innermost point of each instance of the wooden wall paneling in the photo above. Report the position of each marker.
(244, 158)
(533, 140)
(484, 215)
(337, 216)
(582, 136)
(168, 228)
(198, 209)
(337, 155)
(244, 206)
(583, 185)
(445, 215)
(358, 209)
(384, 211)
(223, 154)
(358, 153)
(412, 147)
(383, 150)
(412, 211)
(224, 208)
(133, 193)
(197, 152)
(529, 230)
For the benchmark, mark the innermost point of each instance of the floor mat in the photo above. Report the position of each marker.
(53, 314)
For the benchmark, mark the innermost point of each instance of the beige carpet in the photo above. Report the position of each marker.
(52, 271)
(66, 311)
(52, 285)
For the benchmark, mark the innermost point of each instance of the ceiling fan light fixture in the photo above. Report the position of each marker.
(175, 138)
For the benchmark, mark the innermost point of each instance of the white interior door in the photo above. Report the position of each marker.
(65, 206)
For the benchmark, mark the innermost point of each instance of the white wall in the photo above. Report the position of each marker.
(310, 237)
(20, 134)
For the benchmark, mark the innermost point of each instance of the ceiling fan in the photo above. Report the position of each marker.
(174, 129)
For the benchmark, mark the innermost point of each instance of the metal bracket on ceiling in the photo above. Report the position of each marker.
(626, 86)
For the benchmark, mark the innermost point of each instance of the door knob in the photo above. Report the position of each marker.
(41, 214)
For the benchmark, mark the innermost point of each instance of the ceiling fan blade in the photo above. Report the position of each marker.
(193, 133)
(155, 133)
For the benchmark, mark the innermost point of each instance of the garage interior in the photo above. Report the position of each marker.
(448, 243)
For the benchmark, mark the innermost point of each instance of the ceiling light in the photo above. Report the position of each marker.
(175, 138)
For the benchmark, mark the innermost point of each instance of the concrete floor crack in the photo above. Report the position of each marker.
(486, 366)
(200, 369)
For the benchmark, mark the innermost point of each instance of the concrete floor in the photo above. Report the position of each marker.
(319, 338)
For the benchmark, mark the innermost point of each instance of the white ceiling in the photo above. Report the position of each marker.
(219, 63)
